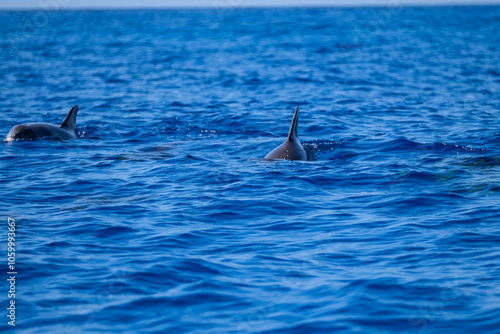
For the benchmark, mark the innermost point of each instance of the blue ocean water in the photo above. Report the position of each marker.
(164, 218)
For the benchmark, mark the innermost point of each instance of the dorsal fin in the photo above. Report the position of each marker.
(293, 128)
(70, 120)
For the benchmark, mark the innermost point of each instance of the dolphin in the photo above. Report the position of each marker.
(291, 149)
(66, 130)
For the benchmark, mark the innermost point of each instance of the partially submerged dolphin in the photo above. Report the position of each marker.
(291, 149)
(66, 130)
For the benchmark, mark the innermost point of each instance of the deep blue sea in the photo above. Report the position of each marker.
(163, 217)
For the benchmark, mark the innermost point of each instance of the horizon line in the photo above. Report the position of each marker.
(214, 6)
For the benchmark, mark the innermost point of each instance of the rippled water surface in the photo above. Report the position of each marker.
(164, 218)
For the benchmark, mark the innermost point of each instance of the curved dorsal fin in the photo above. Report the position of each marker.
(292, 134)
(70, 120)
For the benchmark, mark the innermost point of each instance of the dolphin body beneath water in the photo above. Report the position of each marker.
(67, 130)
(291, 149)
